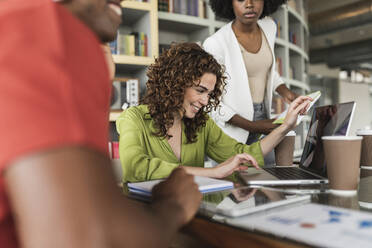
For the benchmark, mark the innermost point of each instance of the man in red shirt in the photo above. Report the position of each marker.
(56, 185)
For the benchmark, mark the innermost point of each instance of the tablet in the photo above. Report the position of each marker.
(247, 200)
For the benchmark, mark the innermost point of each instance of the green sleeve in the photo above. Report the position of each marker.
(221, 146)
(134, 145)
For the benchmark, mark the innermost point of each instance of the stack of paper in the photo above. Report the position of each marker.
(317, 225)
(206, 185)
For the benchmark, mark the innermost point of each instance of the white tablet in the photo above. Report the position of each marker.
(245, 201)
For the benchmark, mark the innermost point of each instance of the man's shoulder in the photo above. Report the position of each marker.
(40, 27)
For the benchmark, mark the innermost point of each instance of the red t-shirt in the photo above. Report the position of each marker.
(54, 88)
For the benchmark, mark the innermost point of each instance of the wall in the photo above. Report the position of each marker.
(360, 94)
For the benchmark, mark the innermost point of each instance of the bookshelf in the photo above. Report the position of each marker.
(163, 28)
(138, 16)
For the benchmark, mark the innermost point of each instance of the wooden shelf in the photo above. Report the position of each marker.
(136, 5)
(114, 114)
(132, 60)
(181, 23)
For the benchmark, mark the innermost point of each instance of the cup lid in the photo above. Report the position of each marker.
(364, 132)
(291, 133)
(341, 137)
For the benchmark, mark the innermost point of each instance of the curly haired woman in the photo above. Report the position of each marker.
(245, 46)
(172, 127)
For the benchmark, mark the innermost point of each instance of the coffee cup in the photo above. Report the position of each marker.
(342, 201)
(284, 150)
(365, 171)
(366, 154)
(365, 192)
(342, 155)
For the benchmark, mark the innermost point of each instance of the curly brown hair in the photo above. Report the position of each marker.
(178, 68)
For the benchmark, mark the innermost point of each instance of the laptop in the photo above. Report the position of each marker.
(331, 120)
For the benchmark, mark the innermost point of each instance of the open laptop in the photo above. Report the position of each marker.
(326, 121)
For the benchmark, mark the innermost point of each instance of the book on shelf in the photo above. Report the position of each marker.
(163, 5)
(184, 7)
(202, 9)
(113, 149)
(140, 44)
(292, 37)
(206, 185)
(133, 44)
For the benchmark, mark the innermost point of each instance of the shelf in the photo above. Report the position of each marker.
(181, 23)
(298, 50)
(114, 114)
(132, 60)
(297, 83)
(280, 41)
(136, 5)
(219, 24)
(294, 13)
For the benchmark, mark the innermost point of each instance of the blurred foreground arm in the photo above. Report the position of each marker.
(67, 197)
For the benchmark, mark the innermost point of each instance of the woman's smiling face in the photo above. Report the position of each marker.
(197, 97)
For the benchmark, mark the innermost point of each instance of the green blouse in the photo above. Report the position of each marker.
(145, 156)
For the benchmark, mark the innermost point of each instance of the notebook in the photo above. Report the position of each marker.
(326, 121)
(206, 184)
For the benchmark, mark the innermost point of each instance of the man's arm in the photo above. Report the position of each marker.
(67, 197)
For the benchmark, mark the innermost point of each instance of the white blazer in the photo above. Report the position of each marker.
(237, 98)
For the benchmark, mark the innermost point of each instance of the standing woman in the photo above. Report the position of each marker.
(246, 47)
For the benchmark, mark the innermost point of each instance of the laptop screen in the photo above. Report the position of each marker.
(331, 120)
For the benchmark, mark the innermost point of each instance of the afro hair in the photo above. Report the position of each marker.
(224, 9)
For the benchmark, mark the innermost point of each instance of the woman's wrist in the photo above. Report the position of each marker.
(284, 129)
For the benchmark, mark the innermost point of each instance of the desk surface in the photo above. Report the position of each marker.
(217, 234)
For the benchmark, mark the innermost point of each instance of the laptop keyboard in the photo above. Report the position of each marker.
(289, 173)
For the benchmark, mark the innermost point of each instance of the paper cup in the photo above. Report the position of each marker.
(342, 155)
(366, 153)
(284, 150)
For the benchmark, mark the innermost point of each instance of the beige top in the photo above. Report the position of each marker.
(258, 66)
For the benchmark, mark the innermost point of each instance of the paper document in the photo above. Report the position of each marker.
(206, 185)
(317, 225)
(315, 96)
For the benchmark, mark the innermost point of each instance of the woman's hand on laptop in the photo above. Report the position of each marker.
(235, 163)
(297, 107)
